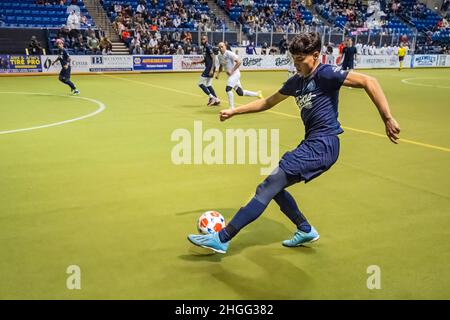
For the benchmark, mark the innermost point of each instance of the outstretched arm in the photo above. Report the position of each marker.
(376, 94)
(254, 106)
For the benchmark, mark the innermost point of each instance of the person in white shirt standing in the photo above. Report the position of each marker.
(389, 51)
(373, 49)
(395, 50)
(231, 63)
(365, 50)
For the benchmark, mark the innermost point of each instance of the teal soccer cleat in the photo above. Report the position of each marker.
(301, 237)
(209, 241)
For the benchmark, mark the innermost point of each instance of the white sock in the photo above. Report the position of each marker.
(211, 96)
(230, 99)
(250, 93)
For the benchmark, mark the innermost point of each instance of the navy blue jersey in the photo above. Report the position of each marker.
(63, 57)
(317, 96)
(209, 61)
(349, 54)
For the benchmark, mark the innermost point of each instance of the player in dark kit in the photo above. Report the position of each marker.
(349, 53)
(64, 59)
(315, 88)
(205, 83)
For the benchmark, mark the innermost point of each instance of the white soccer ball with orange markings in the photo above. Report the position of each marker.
(210, 222)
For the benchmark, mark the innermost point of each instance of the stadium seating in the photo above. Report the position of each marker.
(280, 19)
(28, 14)
(159, 9)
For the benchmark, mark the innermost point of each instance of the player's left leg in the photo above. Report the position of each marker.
(203, 84)
(241, 92)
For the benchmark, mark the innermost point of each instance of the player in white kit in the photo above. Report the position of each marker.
(231, 63)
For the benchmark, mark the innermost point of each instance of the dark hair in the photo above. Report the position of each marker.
(305, 43)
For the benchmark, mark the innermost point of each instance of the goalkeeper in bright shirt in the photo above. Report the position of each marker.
(315, 88)
(401, 55)
(64, 59)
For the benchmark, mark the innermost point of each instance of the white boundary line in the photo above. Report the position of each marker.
(101, 107)
(407, 81)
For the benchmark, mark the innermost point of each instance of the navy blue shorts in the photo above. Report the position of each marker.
(311, 158)
(205, 73)
(347, 65)
(65, 73)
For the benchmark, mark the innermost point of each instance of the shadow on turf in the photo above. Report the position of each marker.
(279, 278)
(262, 232)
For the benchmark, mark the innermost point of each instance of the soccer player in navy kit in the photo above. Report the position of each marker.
(349, 53)
(205, 83)
(64, 59)
(316, 91)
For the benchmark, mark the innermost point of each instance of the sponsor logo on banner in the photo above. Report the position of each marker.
(424, 61)
(187, 63)
(153, 63)
(380, 61)
(441, 60)
(250, 61)
(111, 63)
(78, 64)
(280, 61)
(24, 63)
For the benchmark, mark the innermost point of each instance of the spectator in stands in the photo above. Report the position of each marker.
(264, 48)
(373, 49)
(273, 51)
(105, 45)
(34, 47)
(3, 63)
(73, 21)
(79, 45)
(137, 49)
(250, 49)
(126, 37)
(90, 33)
(93, 44)
(64, 34)
(141, 8)
(180, 50)
(283, 45)
(73, 7)
(383, 49)
(2, 20)
(83, 21)
(389, 50)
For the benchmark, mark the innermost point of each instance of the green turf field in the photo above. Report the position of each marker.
(102, 193)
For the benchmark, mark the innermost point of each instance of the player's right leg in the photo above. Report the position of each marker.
(265, 192)
(229, 91)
